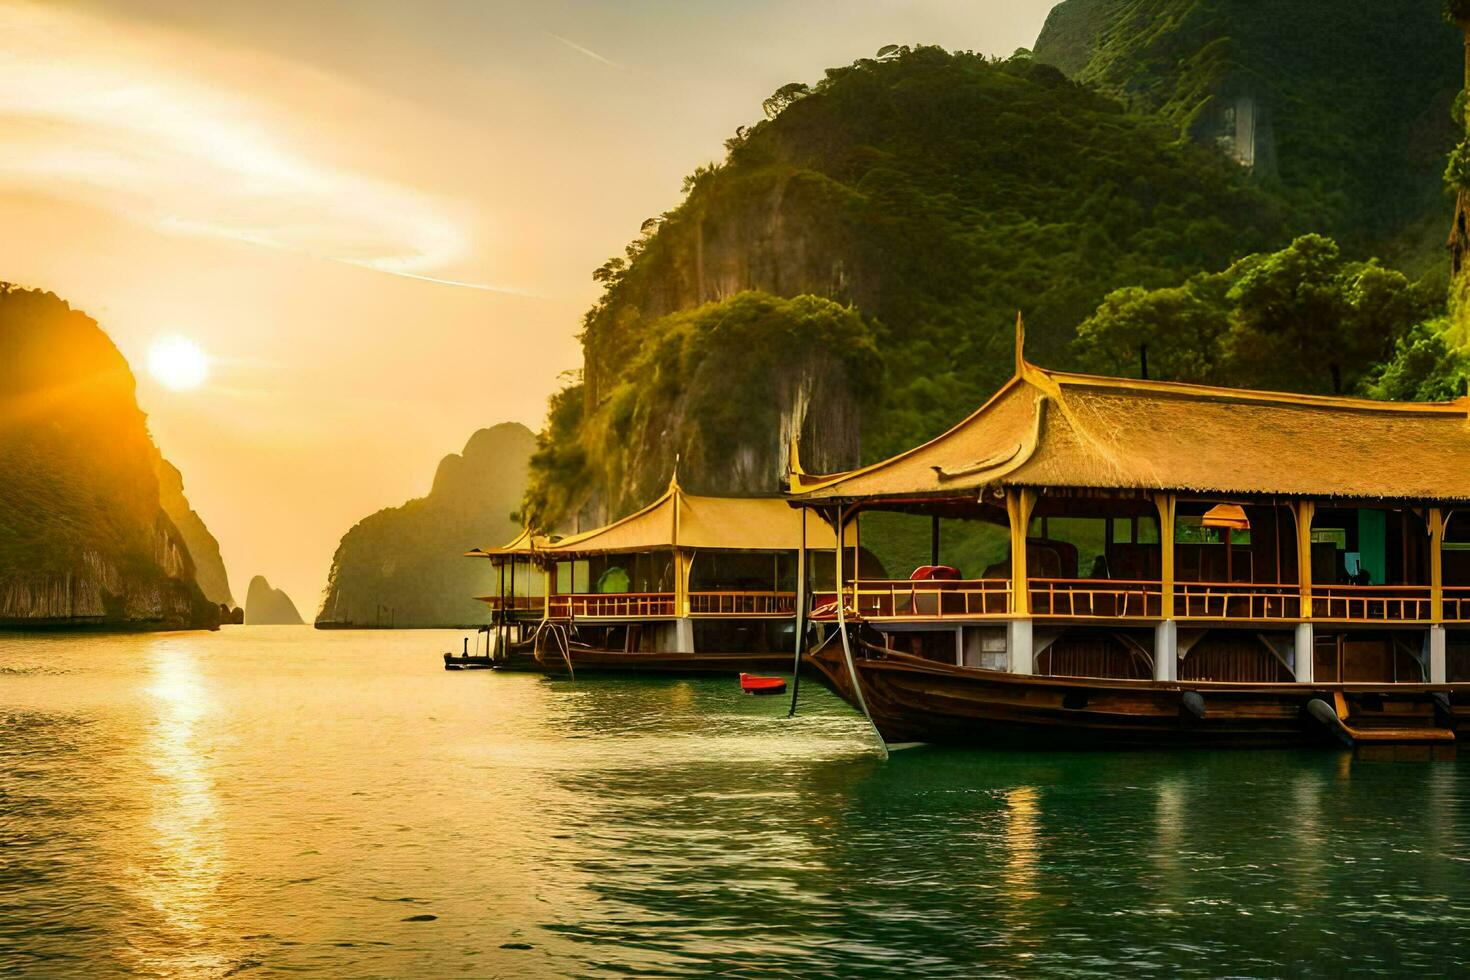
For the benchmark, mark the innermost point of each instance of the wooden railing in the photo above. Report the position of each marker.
(925, 599)
(1119, 599)
(735, 603)
(613, 605)
(513, 603)
(1371, 603)
(1456, 603)
(1095, 598)
(1237, 600)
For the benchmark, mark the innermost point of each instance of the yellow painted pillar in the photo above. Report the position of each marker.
(681, 582)
(1305, 511)
(1020, 502)
(1436, 565)
(1166, 503)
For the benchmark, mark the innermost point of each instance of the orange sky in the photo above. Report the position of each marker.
(279, 181)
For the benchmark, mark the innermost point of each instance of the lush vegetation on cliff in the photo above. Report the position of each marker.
(1342, 106)
(404, 565)
(937, 194)
(716, 388)
(1301, 319)
(83, 535)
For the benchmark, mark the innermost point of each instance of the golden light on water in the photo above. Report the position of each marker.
(178, 363)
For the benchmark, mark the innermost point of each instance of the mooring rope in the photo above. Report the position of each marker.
(857, 687)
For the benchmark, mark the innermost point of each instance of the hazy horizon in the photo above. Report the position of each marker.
(378, 224)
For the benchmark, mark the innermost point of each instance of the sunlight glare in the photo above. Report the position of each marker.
(178, 363)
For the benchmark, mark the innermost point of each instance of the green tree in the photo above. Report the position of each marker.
(1304, 318)
(1423, 367)
(1173, 333)
(1300, 319)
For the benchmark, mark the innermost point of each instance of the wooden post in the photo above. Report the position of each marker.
(1166, 503)
(801, 604)
(1436, 565)
(1305, 510)
(934, 540)
(681, 583)
(1019, 504)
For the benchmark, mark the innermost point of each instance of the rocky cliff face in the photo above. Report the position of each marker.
(265, 606)
(84, 537)
(209, 566)
(404, 566)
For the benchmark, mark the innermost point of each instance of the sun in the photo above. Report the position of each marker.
(178, 363)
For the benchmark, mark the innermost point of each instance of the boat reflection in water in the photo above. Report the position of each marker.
(1159, 564)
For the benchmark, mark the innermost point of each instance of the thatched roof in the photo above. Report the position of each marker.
(1051, 429)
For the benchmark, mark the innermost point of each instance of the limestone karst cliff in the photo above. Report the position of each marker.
(935, 194)
(403, 566)
(932, 194)
(209, 566)
(84, 538)
(267, 606)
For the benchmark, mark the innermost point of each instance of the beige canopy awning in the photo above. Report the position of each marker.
(524, 543)
(691, 522)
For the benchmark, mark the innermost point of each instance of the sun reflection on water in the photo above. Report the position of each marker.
(179, 873)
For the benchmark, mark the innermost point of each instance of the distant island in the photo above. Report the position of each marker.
(265, 606)
(403, 566)
(88, 505)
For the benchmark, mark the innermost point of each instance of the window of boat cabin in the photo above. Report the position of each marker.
(573, 577)
(1456, 553)
(742, 571)
(896, 544)
(1370, 546)
(1227, 541)
(626, 572)
(1094, 539)
(521, 578)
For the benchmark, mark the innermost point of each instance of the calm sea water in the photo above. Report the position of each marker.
(267, 799)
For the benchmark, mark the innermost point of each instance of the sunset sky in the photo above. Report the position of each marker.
(377, 219)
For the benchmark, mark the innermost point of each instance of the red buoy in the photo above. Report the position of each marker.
(756, 684)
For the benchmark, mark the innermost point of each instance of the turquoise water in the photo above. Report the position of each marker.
(267, 799)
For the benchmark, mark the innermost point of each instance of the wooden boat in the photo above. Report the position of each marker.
(911, 699)
(464, 660)
(1265, 569)
(756, 684)
(689, 584)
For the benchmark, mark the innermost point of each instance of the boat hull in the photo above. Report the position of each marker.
(915, 700)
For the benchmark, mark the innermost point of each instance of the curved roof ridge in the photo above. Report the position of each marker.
(1460, 405)
(834, 478)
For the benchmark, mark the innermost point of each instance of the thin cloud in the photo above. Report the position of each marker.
(91, 114)
(586, 51)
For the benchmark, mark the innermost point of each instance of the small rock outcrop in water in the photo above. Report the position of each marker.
(404, 566)
(265, 606)
(85, 540)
